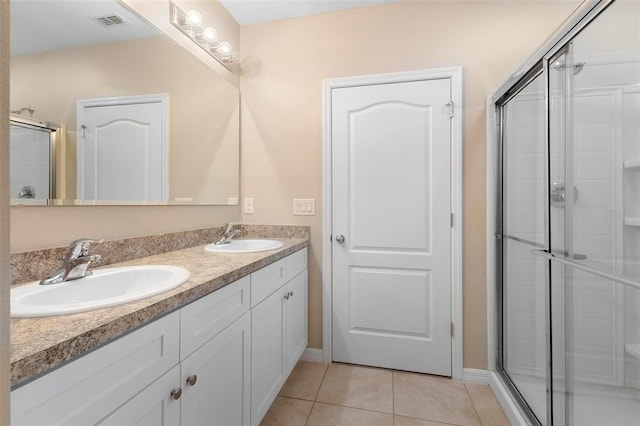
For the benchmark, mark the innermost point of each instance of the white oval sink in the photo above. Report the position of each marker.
(104, 288)
(244, 246)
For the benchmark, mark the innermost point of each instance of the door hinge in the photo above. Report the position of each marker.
(451, 220)
(452, 329)
(450, 106)
(83, 131)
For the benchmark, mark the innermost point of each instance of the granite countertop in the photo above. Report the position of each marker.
(40, 344)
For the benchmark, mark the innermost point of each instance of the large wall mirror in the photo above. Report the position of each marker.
(108, 110)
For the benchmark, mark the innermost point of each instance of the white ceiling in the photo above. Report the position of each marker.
(42, 25)
(254, 11)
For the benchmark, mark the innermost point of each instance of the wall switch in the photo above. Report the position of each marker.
(248, 206)
(304, 206)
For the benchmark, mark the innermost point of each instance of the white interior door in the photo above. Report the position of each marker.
(391, 199)
(122, 151)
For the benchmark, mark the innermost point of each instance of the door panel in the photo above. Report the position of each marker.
(370, 293)
(391, 201)
(120, 156)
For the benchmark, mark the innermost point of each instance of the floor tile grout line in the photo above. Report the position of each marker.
(324, 375)
(473, 404)
(355, 408)
(294, 397)
(393, 395)
(313, 404)
(427, 420)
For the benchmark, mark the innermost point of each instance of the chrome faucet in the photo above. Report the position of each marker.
(230, 232)
(75, 264)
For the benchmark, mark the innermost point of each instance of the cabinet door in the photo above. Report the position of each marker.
(296, 319)
(267, 353)
(153, 406)
(221, 391)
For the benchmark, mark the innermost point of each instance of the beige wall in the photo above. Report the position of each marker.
(281, 85)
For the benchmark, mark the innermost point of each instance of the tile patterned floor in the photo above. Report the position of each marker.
(347, 395)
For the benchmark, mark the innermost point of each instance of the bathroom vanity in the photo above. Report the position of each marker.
(187, 358)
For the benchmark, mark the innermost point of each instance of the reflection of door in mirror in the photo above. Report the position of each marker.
(122, 149)
(32, 150)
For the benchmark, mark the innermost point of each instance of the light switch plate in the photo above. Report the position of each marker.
(248, 206)
(304, 206)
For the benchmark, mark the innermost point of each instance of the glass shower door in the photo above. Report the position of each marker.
(523, 331)
(594, 129)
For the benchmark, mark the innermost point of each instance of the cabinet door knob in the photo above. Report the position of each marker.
(176, 393)
(339, 238)
(192, 379)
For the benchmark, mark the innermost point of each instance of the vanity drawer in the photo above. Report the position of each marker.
(203, 319)
(267, 280)
(86, 390)
(296, 263)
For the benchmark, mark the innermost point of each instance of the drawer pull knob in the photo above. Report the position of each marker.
(192, 379)
(176, 393)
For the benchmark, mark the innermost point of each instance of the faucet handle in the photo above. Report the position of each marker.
(80, 247)
(229, 227)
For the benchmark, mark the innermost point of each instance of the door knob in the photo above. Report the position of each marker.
(340, 238)
(192, 379)
(176, 393)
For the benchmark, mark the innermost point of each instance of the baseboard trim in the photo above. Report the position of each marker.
(473, 375)
(511, 409)
(312, 354)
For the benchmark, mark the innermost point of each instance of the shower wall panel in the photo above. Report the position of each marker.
(29, 154)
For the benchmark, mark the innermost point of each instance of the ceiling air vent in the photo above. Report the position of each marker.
(109, 21)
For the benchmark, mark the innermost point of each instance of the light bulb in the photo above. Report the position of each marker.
(224, 48)
(193, 18)
(209, 35)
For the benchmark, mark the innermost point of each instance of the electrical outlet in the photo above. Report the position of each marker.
(304, 206)
(248, 206)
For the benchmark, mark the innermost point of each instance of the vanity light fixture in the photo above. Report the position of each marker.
(191, 25)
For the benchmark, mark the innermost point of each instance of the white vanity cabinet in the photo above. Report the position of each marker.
(89, 389)
(191, 367)
(279, 327)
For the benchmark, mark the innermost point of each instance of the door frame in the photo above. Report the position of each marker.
(455, 76)
(161, 98)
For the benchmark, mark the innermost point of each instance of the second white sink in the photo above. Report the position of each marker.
(104, 288)
(244, 246)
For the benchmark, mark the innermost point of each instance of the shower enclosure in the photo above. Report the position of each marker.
(33, 146)
(567, 234)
